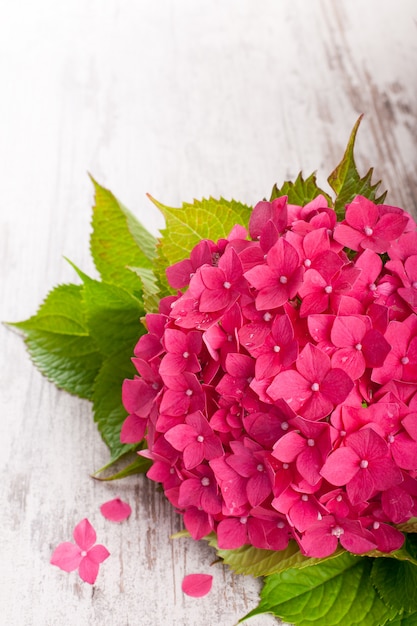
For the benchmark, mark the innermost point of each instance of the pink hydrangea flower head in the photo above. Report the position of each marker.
(277, 390)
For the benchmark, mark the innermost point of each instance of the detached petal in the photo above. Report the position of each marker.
(98, 554)
(66, 556)
(88, 570)
(116, 510)
(84, 535)
(197, 585)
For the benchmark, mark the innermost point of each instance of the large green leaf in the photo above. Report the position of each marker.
(186, 226)
(396, 582)
(258, 562)
(118, 240)
(59, 341)
(336, 592)
(300, 192)
(346, 181)
(113, 316)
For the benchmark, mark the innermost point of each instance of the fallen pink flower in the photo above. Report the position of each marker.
(83, 555)
(116, 510)
(197, 585)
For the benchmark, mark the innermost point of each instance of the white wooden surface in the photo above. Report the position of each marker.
(181, 98)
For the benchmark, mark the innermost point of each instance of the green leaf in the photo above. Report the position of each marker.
(59, 342)
(396, 582)
(150, 288)
(258, 562)
(118, 240)
(301, 192)
(404, 620)
(113, 316)
(109, 412)
(336, 592)
(186, 226)
(139, 466)
(347, 183)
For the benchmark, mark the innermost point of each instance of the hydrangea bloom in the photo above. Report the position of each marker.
(278, 387)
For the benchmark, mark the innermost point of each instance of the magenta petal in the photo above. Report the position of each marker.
(133, 429)
(116, 510)
(88, 570)
(340, 466)
(67, 556)
(197, 585)
(98, 554)
(181, 436)
(84, 534)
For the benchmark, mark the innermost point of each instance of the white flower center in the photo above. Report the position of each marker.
(200, 438)
(372, 287)
(83, 553)
(260, 467)
(185, 355)
(375, 525)
(405, 360)
(243, 520)
(337, 531)
(315, 387)
(304, 497)
(189, 392)
(227, 285)
(205, 481)
(285, 425)
(283, 279)
(364, 464)
(307, 262)
(267, 316)
(368, 231)
(277, 348)
(285, 465)
(358, 346)
(328, 289)
(311, 442)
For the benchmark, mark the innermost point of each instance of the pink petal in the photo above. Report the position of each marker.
(116, 510)
(84, 535)
(197, 585)
(88, 570)
(340, 467)
(98, 554)
(133, 429)
(67, 556)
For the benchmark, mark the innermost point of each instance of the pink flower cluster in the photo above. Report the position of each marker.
(278, 389)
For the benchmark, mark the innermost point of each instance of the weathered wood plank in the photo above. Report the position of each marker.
(184, 100)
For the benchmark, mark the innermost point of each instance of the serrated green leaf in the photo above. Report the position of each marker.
(113, 317)
(396, 582)
(109, 412)
(404, 620)
(59, 343)
(118, 240)
(301, 192)
(150, 288)
(186, 226)
(258, 562)
(337, 592)
(347, 183)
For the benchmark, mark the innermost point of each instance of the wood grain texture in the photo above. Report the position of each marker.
(182, 99)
